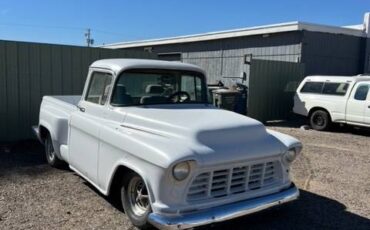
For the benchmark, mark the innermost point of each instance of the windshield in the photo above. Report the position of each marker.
(149, 87)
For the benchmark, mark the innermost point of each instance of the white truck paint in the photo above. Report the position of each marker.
(342, 99)
(232, 164)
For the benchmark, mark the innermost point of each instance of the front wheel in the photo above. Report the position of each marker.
(51, 156)
(135, 200)
(320, 120)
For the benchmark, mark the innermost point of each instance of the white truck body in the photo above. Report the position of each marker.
(345, 99)
(246, 159)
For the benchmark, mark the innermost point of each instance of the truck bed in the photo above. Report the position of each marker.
(68, 102)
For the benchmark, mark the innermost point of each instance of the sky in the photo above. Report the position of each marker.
(65, 21)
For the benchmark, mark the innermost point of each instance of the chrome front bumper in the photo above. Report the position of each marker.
(225, 212)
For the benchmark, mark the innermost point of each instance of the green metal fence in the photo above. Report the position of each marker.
(29, 71)
(272, 85)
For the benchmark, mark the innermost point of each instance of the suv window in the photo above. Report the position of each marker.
(99, 88)
(335, 88)
(312, 87)
(361, 92)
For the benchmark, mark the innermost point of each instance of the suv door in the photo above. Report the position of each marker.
(357, 103)
(367, 108)
(85, 125)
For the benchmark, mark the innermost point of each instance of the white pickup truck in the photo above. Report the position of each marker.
(144, 129)
(327, 99)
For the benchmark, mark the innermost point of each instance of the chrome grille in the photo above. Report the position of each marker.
(225, 182)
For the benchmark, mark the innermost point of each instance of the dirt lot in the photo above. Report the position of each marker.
(333, 174)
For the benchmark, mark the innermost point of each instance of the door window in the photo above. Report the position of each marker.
(100, 85)
(192, 86)
(361, 92)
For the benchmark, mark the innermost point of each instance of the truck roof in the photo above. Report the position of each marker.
(356, 78)
(118, 65)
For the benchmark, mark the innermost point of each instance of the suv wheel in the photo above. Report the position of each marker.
(320, 120)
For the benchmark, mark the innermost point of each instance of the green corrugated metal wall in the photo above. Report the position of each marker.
(29, 71)
(272, 85)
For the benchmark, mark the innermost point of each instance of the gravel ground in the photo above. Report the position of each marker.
(333, 174)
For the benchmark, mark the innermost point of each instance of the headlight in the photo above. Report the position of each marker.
(181, 170)
(290, 155)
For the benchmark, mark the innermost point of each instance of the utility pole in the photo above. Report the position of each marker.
(89, 40)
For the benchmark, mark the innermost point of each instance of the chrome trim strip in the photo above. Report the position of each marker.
(225, 212)
(142, 130)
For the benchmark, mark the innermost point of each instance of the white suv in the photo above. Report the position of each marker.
(327, 99)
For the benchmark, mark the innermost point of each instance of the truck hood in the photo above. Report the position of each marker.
(204, 132)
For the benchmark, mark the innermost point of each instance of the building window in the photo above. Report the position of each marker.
(148, 49)
(170, 56)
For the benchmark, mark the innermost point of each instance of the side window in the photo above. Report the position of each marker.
(98, 91)
(312, 87)
(335, 88)
(361, 92)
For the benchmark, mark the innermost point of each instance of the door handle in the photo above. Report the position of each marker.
(369, 106)
(82, 109)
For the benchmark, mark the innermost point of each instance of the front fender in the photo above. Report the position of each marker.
(286, 140)
(151, 174)
(144, 154)
(163, 188)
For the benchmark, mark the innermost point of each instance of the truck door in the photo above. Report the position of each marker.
(85, 125)
(357, 104)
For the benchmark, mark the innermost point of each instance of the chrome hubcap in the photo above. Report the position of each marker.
(319, 120)
(50, 151)
(138, 196)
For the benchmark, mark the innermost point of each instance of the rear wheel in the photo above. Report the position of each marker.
(320, 120)
(51, 156)
(135, 200)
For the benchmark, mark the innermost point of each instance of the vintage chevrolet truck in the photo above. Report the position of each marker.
(144, 129)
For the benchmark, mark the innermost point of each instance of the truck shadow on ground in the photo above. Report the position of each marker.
(310, 211)
(21, 154)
